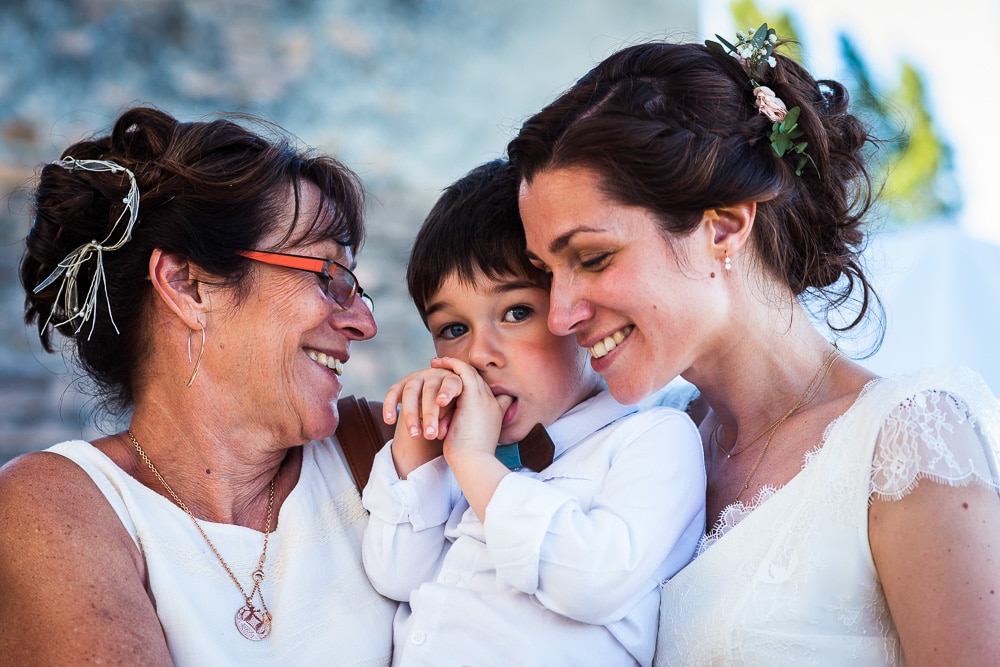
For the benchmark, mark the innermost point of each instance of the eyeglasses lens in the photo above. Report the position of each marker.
(343, 287)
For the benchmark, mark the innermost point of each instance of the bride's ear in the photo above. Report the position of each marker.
(176, 281)
(729, 227)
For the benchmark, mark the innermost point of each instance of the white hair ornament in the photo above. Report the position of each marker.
(69, 268)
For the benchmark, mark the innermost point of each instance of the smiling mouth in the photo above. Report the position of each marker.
(324, 359)
(602, 347)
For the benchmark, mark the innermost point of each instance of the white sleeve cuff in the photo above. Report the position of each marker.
(423, 499)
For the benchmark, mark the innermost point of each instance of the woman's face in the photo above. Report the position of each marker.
(284, 345)
(644, 307)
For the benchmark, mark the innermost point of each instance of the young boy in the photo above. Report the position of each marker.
(556, 566)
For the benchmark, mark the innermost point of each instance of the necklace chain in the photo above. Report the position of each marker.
(810, 393)
(252, 623)
(730, 453)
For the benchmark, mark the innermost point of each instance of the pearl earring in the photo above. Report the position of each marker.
(728, 263)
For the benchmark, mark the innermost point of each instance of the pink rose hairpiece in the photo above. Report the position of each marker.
(754, 50)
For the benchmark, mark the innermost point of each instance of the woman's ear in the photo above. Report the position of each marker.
(729, 227)
(176, 281)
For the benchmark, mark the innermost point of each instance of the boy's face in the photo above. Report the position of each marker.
(500, 328)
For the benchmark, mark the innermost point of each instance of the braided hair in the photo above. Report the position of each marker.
(673, 128)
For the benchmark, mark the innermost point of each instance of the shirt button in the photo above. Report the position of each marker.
(452, 578)
(418, 638)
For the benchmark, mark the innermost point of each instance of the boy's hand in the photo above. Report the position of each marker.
(425, 400)
(475, 422)
(471, 441)
(449, 402)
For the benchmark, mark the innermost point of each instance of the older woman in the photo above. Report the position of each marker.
(201, 273)
(683, 200)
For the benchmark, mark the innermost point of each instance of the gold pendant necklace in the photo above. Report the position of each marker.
(252, 623)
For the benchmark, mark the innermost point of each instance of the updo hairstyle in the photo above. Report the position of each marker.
(206, 189)
(673, 128)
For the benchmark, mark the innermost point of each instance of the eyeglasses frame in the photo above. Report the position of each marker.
(318, 265)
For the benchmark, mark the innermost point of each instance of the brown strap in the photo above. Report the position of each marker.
(361, 433)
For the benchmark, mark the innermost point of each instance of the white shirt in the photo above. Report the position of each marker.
(567, 568)
(324, 610)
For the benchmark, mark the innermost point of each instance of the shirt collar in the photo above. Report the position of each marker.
(585, 419)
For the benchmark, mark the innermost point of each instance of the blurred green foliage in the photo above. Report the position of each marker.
(913, 163)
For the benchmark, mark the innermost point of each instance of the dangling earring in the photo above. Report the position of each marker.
(197, 364)
(728, 265)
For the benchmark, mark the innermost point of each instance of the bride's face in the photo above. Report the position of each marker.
(643, 305)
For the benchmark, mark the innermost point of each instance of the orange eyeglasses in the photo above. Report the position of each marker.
(338, 281)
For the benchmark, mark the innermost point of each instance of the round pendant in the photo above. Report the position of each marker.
(253, 623)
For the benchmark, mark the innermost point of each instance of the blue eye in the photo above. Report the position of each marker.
(452, 331)
(517, 314)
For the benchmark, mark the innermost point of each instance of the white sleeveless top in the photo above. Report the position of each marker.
(789, 579)
(324, 610)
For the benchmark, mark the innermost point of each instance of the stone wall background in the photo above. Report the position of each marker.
(410, 93)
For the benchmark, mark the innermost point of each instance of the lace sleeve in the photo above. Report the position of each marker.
(932, 435)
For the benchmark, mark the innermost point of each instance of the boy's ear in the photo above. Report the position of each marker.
(729, 227)
(177, 282)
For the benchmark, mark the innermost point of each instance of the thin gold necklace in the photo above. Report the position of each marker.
(253, 623)
(805, 399)
(730, 453)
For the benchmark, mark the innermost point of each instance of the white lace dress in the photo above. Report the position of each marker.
(789, 579)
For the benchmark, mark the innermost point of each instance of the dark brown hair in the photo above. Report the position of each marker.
(673, 128)
(473, 230)
(206, 189)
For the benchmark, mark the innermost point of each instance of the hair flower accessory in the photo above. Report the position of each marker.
(770, 104)
(754, 51)
(783, 140)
